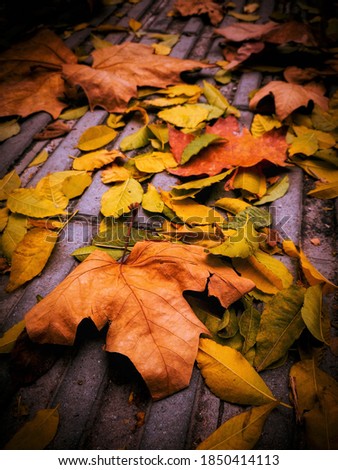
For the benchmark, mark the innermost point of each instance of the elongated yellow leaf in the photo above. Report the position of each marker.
(281, 324)
(191, 212)
(240, 432)
(30, 256)
(241, 245)
(196, 145)
(114, 174)
(306, 144)
(154, 162)
(152, 201)
(251, 180)
(39, 159)
(319, 169)
(74, 185)
(215, 98)
(313, 276)
(313, 314)
(37, 433)
(117, 200)
(244, 17)
(93, 160)
(262, 124)
(325, 190)
(28, 201)
(4, 214)
(74, 113)
(134, 25)
(82, 253)
(161, 133)
(115, 121)
(232, 205)
(96, 137)
(249, 325)
(321, 424)
(269, 274)
(8, 183)
(275, 191)
(187, 115)
(229, 375)
(138, 139)
(191, 188)
(14, 232)
(177, 90)
(99, 43)
(7, 341)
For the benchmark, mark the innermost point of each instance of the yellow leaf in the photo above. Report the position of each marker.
(4, 214)
(178, 90)
(7, 341)
(314, 315)
(73, 186)
(251, 180)
(262, 124)
(30, 256)
(232, 205)
(96, 137)
(215, 98)
(243, 244)
(152, 201)
(185, 190)
(8, 183)
(269, 274)
(154, 162)
(322, 170)
(134, 25)
(305, 143)
(115, 121)
(14, 232)
(275, 191)
(9, 129)
(161, 49)
(187, 115)
(117, 200)
(28, 201)
(114, 174)
(325, 190)
(244, 16)
(37, 433)
(138, 139)
(191, 212)
(99, 43)
(93, 160)
(240, 432)
(229, 375)
(166, 102)
(251, 7)
(74, 113)
(40, 158)
(281, 324)
(311, 274)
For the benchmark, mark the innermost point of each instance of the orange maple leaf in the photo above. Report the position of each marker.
(149, 319)
(200, 7)
(240, 149)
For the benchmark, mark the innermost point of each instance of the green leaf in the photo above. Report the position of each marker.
(228, 326)
(257, 216)
(215, 98)
(138, 139)
(37, 433)
(313, 314)
(116, 233)
(182, 191)
(281, 324)
(82, 253)
(96, 137)
(29, 202)
(249, 325)
(240, 432)
(74, 113)
(9, 129)
(8, 340)
(152, 201)
(229, 375)
(8, 183)
(275, 191)
(117, 200)
(196, 145)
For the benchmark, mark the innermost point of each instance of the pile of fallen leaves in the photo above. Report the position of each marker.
(136, 281)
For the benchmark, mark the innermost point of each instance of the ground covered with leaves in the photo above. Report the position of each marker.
(189, 262)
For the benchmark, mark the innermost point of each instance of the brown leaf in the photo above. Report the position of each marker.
(141, 298)
(242, 149)
(30, 76)
(111, 85)
(289, 96)
(52, 131)
(239, 32)
(243, 53)
(200, 7)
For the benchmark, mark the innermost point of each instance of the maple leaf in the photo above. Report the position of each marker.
(30, 76)
(241, 149)
(289, 96)
(149, 320)
(200, 7)
(117, 71)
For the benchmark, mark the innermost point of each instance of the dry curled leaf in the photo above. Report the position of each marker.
(200, 7)
(140, 298)
(52, 131)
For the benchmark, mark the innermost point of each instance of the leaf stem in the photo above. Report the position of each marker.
(286, 405)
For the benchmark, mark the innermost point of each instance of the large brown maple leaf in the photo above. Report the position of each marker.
(240, 149)
(117, 71)
(30, 76)
(149, 319)
(200, 7)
